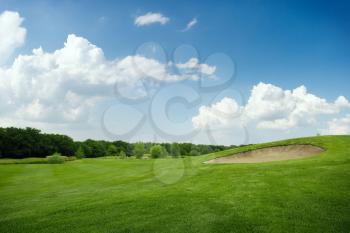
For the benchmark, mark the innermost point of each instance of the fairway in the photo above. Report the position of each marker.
(182, 194)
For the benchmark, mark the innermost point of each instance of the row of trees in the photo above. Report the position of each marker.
(29, 142)
(92, 148)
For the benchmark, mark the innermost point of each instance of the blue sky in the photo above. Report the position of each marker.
(283, 43)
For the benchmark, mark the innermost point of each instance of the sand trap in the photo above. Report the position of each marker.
(276, 153)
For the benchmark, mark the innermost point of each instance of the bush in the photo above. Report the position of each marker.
(157, 151)
(122, 155)
(69, 158)
(139, 149)
(24, 161)
(194, 153)
(56, 158)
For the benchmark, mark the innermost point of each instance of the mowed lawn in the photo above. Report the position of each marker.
(181, 195)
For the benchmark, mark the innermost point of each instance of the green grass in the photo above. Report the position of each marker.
(181, 195)
(31, 160)
(24, 161)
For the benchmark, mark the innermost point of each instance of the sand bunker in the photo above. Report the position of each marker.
(276, 153)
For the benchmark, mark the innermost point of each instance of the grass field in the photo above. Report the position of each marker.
(181, 195)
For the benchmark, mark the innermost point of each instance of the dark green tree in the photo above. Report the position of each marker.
(79, 154)
(112, 150)
(175, 150)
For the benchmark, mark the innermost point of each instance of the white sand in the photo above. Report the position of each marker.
(276, 153)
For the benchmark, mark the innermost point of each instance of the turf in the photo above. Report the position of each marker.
(181, 195)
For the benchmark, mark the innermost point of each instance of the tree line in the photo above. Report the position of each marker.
(30, 142)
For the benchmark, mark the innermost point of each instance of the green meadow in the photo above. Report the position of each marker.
(180, 194)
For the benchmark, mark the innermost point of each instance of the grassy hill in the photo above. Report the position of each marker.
(182, 195)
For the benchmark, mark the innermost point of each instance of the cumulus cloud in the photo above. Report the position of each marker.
(342, 102)
(338, 126)
(276, 108)
(193, 68)
(62, 86)
(271, 107)
(190, 24)
(220, 114)
(12, 34)
(151, 18)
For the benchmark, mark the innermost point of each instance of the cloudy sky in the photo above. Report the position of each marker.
(228, 72)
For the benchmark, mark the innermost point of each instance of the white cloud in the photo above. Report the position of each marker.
(136, 66)
(220, 114)
(151, 18)
(338, 126)
(270, 107)
(190, 24)
(12, 34)
(342, 102)
(62, 86)
(275, 108)
(193, 68)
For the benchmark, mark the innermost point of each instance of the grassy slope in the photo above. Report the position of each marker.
(181, 195)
